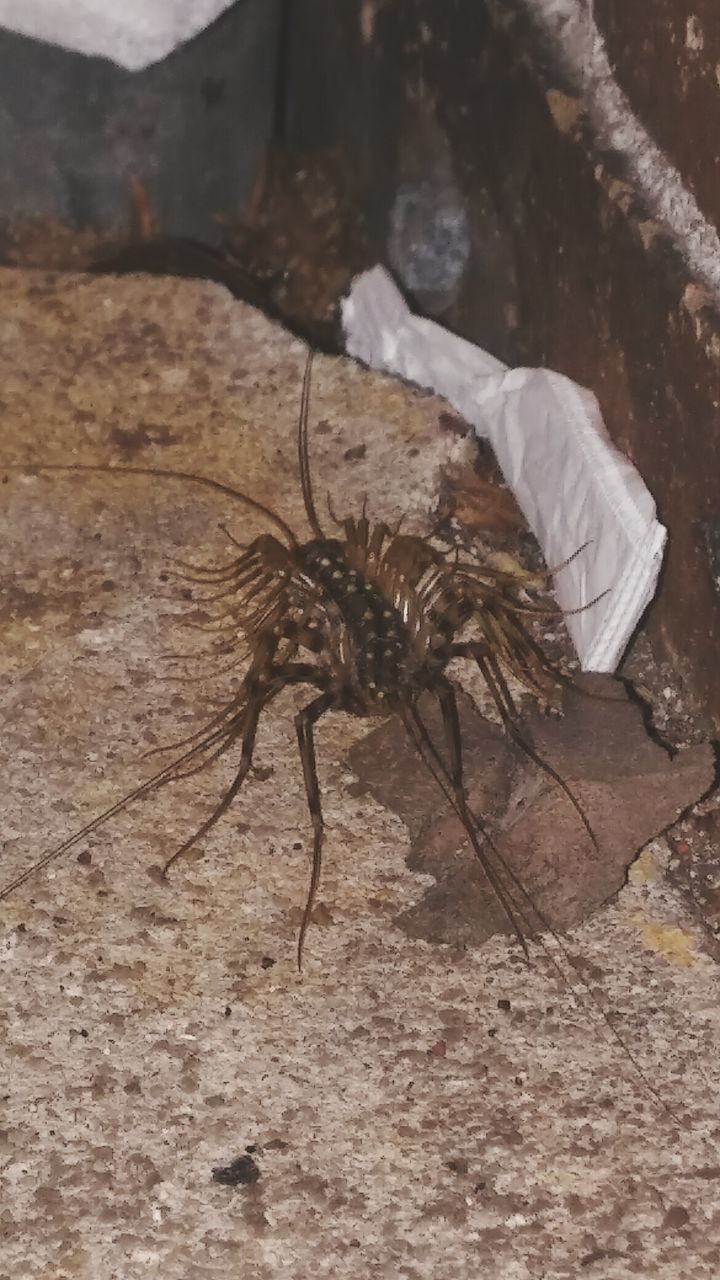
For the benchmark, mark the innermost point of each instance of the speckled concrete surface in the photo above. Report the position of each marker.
(415, 1111)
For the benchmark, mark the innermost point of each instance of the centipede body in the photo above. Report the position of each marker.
(368, 620)
(170, 981)
(360, 617)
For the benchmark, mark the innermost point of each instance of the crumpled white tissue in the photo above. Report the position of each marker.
(572, 485)
(133, 34)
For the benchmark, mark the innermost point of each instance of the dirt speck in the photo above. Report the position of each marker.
(242, 1172)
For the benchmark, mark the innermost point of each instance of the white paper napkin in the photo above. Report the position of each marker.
(572, 485)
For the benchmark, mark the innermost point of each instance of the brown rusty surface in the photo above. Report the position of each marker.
(666, 60)
(564, 269)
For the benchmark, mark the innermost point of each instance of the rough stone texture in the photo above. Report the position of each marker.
(412, 1111)
(627, 786)
(527, 238)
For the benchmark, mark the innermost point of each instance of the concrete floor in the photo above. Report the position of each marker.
(412, 1110)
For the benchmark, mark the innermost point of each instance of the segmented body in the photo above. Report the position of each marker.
(367, 622)
(379, 611)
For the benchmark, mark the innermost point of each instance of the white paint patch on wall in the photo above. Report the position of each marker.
(133, 34)
(694, 35)
(570, 24)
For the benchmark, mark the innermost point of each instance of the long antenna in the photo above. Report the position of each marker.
(168, 474)
(303, 455)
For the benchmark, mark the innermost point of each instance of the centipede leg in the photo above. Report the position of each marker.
(304, 722)
(249, 730)
(451, 724)
(502, 697)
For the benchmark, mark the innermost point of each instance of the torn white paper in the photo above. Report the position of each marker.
(571, 483)
(133, 34)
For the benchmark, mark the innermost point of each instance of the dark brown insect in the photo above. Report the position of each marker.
(368, 620)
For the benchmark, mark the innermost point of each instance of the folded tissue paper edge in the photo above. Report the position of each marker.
(578, 493)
